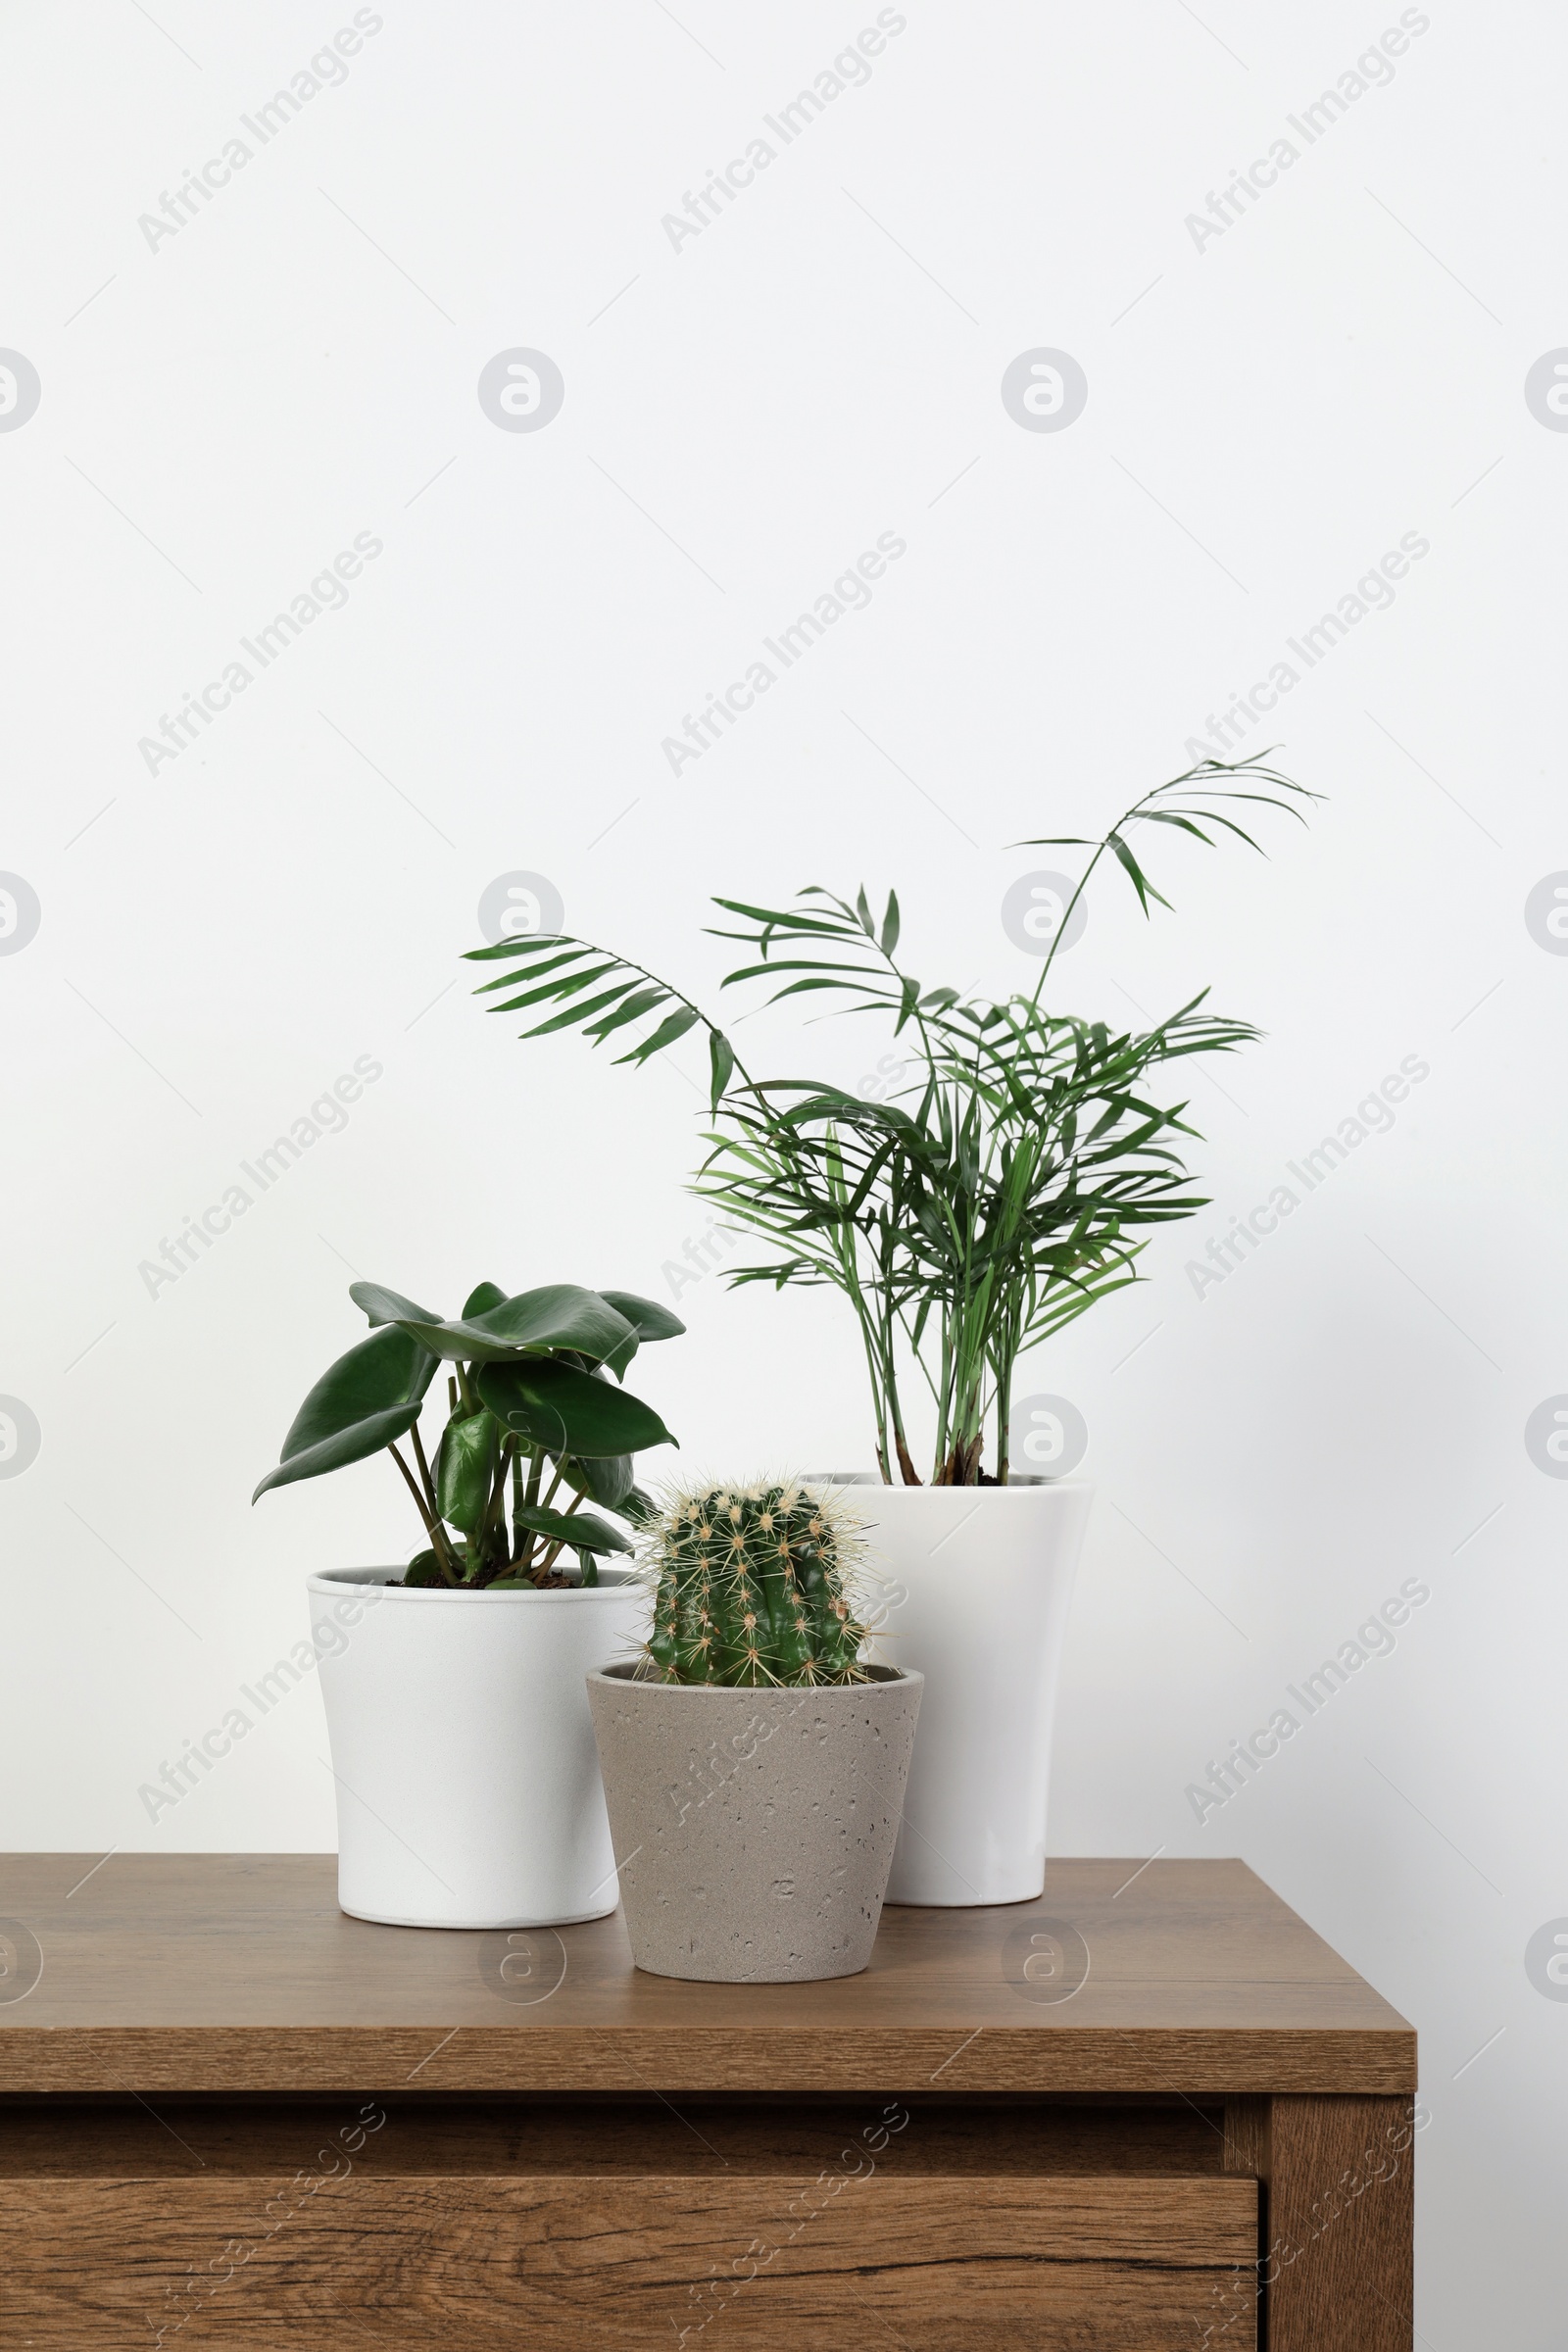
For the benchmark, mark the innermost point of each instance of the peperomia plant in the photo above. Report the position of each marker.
(533, 1405)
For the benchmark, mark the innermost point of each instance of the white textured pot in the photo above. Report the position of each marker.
(981, 1580)
(467, 1782)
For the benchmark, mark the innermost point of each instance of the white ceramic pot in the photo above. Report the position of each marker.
(980, 1582)
(467, 1782)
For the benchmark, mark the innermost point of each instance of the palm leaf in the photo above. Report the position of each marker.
(573, 965)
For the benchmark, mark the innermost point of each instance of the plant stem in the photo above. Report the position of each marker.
(432, 1527)
(524, 1538)
(431, 1496)
(493, 1526)
(549, 1558)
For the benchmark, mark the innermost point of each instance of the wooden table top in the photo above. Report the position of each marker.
(238, 1972)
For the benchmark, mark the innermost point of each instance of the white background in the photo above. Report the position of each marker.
(1268, 413)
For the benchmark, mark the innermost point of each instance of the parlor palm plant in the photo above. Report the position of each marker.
(1008, 1186)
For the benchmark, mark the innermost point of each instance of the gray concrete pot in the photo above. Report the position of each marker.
(755, 1828)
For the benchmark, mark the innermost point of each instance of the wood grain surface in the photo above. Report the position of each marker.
(238, 1973)
(1078, 2265)
(1337, 2267)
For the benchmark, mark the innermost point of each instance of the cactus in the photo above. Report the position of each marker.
(756, 1585)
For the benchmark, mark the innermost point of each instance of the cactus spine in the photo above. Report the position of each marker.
(755, 1586)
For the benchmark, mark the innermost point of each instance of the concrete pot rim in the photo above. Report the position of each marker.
(619, 1675)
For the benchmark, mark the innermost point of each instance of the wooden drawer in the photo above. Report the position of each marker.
(1082, 2264)
(348, 2226)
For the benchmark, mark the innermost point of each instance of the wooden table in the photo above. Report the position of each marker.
(229, 2115)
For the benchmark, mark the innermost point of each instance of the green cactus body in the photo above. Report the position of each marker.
(755, 1586)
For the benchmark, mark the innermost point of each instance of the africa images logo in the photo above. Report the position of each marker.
(19, 390)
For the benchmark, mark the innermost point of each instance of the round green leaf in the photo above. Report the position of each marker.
(568, 1411)
(605, 1477)
(381, 1306)
(561, 1314)
(466, 1468)
(388, 1368)
(650, 1320)
(583, 1529)
(353, 1444)
(369, 1398)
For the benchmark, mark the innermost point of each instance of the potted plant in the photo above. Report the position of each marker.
(755, 1766)
(467, 1788)
(1007, 1187)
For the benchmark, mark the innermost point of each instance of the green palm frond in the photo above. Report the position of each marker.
(1016, 1177)
(554, 971)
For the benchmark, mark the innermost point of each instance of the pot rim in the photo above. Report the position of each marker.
(613, 1583)
(866, 1482)
(620, 1673)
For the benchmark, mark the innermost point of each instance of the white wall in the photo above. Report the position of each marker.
(1270, 408)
